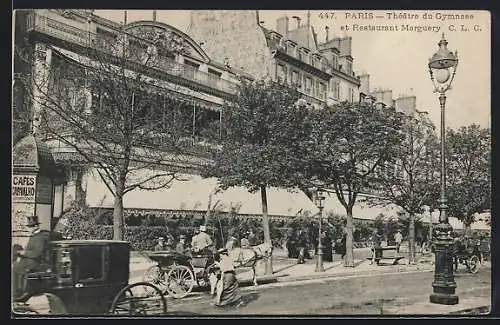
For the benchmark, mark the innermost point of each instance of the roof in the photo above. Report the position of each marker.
(32, 155)
(303, 36)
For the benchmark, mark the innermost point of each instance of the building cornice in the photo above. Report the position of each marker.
(280, 54)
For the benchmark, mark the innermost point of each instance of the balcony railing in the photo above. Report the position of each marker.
(57, 29)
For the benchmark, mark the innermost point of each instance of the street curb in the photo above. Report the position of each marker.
(346, 274)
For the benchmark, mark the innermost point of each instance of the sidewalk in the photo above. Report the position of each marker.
(475, 301)
(286, 269)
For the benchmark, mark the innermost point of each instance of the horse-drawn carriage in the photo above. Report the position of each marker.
(467, 253)
(84, 277)
(176, 274)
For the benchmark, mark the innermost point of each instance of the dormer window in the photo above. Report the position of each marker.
(306, 57)
(335, 62)
(349, 67)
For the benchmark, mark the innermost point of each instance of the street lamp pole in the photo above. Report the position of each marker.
(319, 203)
(442, 69)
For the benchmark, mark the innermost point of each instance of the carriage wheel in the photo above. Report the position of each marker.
(180, 281)
(473, 264)
(52, 306)
(140, 298)
(156, 276)
(23, 310)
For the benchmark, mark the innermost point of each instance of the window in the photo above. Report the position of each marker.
(349, 67)
(281, 73)
(89, 262)
(323, 64)
(322, 90)
(308, 85)
(335, 61)
(351, 95)
(336, 90)
(192, 64)
(295, 77)
(214, 73)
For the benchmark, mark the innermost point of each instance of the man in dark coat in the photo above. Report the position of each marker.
(302, 246)
(33, 256)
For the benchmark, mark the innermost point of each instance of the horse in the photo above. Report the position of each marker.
(243, 257)
(248, 257)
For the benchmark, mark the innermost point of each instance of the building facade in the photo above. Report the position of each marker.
(197, 72)
(321, 71)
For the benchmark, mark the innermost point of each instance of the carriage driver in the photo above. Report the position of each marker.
(202, 243)
(32, 257)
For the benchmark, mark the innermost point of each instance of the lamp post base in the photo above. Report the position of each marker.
(319, 262)
(444, 299)
(444, 284)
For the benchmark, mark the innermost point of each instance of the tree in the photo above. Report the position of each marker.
(262, 143)
(103, 104)
(350, 141)
(468, 157)
(407, 180)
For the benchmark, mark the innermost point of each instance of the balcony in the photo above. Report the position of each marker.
(56, 29)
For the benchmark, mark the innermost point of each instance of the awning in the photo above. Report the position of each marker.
(361, 210)
(193, 194)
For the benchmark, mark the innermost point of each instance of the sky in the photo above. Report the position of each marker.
(395, 60)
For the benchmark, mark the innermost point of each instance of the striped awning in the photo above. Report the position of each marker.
(193, 192)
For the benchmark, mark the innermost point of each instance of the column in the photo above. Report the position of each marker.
(42, 57)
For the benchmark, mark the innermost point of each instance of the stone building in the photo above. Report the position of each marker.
(321, 71)
(56, 47)
(49, 41)
(197, 74)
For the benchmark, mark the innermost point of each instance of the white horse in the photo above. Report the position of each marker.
(244, 257)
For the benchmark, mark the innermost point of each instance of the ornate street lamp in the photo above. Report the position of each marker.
(442, 68)
(320, 197)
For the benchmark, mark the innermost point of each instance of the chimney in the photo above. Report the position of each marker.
(298, 20)
(407, 105)
(326, 30)
(282, 26)
(387, 98)
(364, 86)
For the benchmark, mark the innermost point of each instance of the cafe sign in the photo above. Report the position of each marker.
(23, 188)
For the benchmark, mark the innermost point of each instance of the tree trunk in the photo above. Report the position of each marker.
(411, 239)
(349, 252)
(118, 233)
(265, 223)
(467, 228)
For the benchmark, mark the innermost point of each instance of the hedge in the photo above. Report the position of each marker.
(83, 223)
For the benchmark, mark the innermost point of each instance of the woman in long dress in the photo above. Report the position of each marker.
(228, 291)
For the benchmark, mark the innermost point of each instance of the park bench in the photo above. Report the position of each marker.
(392, 260)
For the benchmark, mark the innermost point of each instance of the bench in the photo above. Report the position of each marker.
(385, 259)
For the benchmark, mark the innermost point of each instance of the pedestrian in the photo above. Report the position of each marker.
(32, 259)
(231, 243)
(201, 243)
(398, 238)
(181, 245)
(377, 246)
(160, 245)
(343, 248)
(244, 242)
(326, 242)
(228, 291)
(302, 246)
(252, 238)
